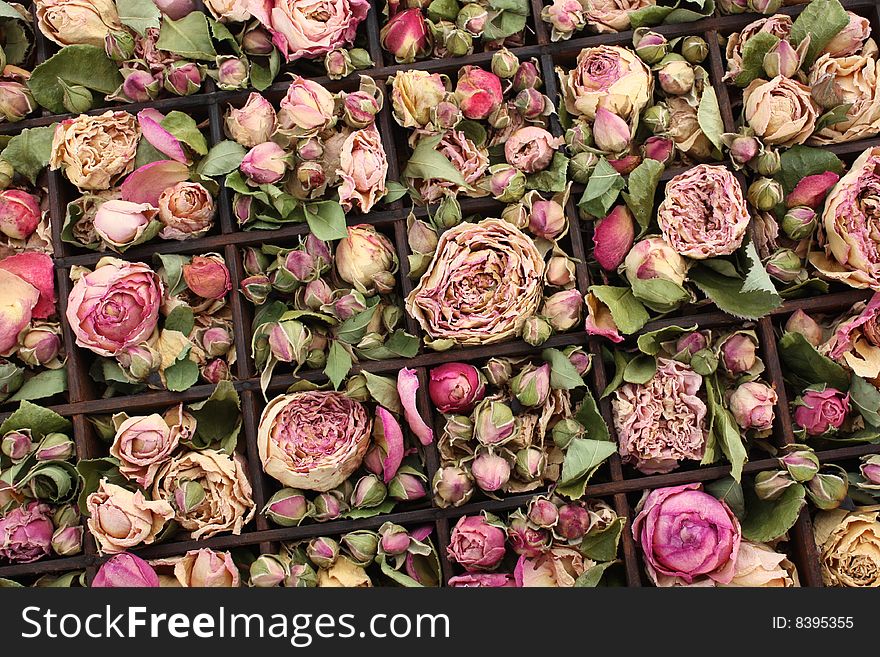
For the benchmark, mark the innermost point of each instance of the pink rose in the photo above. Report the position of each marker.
(687, 535)
(752, 405)
(363, 169)
(115, 307)
(142, 444)
(531, 149)
(125, 570)
(306, 28)
(17, 301)
(306, 109)
(478, 92)
(475, 544)
(19, 213)
(37, 269)
(26, 533)
(455, 387)
(207, 276)
(822, 410)
(482, 580)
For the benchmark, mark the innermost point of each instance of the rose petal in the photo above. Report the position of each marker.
(36, 269)
(613, 238)
(17, 300)
(159, 138)
(390, 439)
(146, 184)
(407, 386)
(599, 320)
(811, 191)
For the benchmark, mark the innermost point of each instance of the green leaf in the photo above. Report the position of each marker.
(29, 151)
(182, 375)
(394, 191)
(87, 66)
(503, 24)
(756, 46)
(602, 545)
(866, 398)
(757, 278)
(218, 418)
(353, 329)
(172, 272)
(602, 190)
(709, 117)
(767, 521)
(729, 490)
(353, 514)
(384, 391)
(727, 293)
(43, 384)
(8, 11)
(724, 429)
(836, 115)
(642, 187)
(799, 162)
(590, 418)
(184, 127)
(651, 343)
(649, 16)
(338, 364)
(147, 153)
(582, 458)
(18, 38)
(395, 575)
(426, 163)
(640, 369)
(189, 37)
(620, 363)
(659, 294)
(803, 361)
(263, 76)
(563, 375)
(91, 472)
(39, 420)
(443, 10)
(822, 20)
(553, 179)
(139, 15)
(593, 576)
(326, 220)
(180, 319)
(628, 313)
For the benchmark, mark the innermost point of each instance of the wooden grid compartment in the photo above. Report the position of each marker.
(622, 487)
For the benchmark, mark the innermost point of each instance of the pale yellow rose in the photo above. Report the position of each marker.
(757, 564)
(344, 573)
(413, 94)
(849, 546)
(77, 22)
(780, 111)
(121, 519)
(202, 568)
(855, 78)
(605, 16)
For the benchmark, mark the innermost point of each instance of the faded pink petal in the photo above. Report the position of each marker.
(391, 441)
(145, 184)
(811, 191)
(163, 141)
(36, 269)
(613, 238)
(407, 386)
(17, 300)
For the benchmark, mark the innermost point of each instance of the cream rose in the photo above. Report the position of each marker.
(344, 573)
(855, 79)
(142, 445)
(121, 519)
(849, 546)
(363, 169)
(77, 22)
(780, 111)
(186, 211)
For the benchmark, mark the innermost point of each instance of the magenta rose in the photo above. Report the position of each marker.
(125, 571)
(26, 533)
(822, 410)
(687, 535)
(475, 544)
(483, 581)
(114, 307)
(455, 387)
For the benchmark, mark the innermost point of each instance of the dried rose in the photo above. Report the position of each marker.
(414, 94)
(821, 410)
(120, 519)
(781, 111)
(531, 149)
(251, 124)
(854, 81)
(26, 533)
(475, 544)
(455, 387)
(80, 22)
(142, 445)
(20, 213)
(752, 405)
(125, 570)
(122, 223)
(363, 168)
(186, 211)
(306, 109)
(849, 546)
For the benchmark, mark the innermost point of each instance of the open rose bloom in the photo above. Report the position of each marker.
(333, 453)
(119, 310)
(314, 149)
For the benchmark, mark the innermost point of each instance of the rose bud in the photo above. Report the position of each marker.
(504, 63)
(267, 571)
(301, 575)
(530, 463)
(799, 222)
(494, 423)
(183, 78)
(581, 167)
(256, 289)
(241, 208)
(207, 276)
(311, 177)
(765, 193)
(652, 258)
(55, 447)
(579, 138)
(625, 165)
(448, 215)
(826, 491)
(39, 346)
(309, 149)
(657, 118)
(288, 507)
(472, 18)
(140, 361)
(767, 163)
(478, 92)
(322, 551)
(610, 132)
(125, 571)
(650, 46)
(16, 100)
(531, 386)
(476, 544)
(782, 59)
(394, 539)
(536, 331)
(265, 163)
(232, 73)
(800, 322)
(16, 445)
(19, 213)
(870, 471)
(752, 405)
(446, 115)
(369, 491)
(613, 237)
(216, 341)
(366, 259)
(11, 378)
(119, 46)
(676, 77)
(560, 271)
(328, 506)
(338, 64)
(524, 539)
(694, 49)
(66, 516)
(506, 183)
(361, 545)
(547, 219)
(317, 294)
(563, 309)
(257, 41)
(765, 6)
(812, 190)
(660, 149)
(490, 471)
(820, 411)
(531, 103)
(216, 370)
(801, 462)
(527, 76)
(67, 541)
(122, 223)
(26, 532)
(140, 86)
(581, 360)
(406, 36)
(360, 109)
(405, 487)
(452, 486)
(457, 42)
(7, 173)
(574, 522)
(543, 512)
(690, 343)
(770, 485)
(743, 148)
(253, 123)
(455, 387)
(785, 265)
(739, 353)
